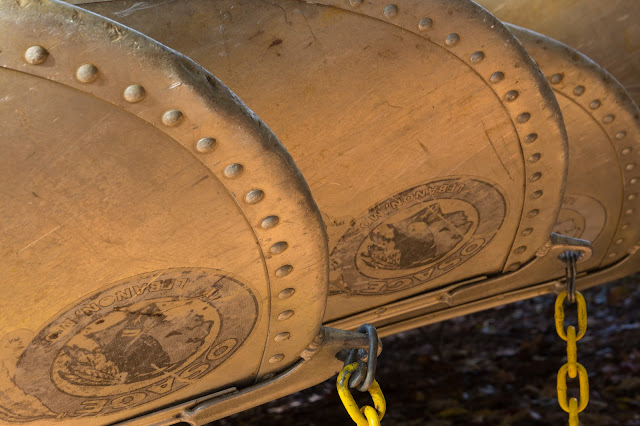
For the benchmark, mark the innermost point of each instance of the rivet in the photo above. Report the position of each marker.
(283, 271)
(390, 10)
(625, 226)
(612, 254)
(452, 39)
(269, 222)
(626, 151)
(281, 337)
(279, 247)
(87, 73)
(608, 118)
(628, 212)
(595, 104)
(534, 157)
(534, 177)
(511, 95)
(425, 24)
(630, 167)
(619, 241)
(520, 250)
(134, 93)
(254, 196)
(524, 117)
(205, 145)
(632, 197)
(536, 195)
(533, 213)
(285, 315)
(234, 170)
(527, 232)
(513, 267)
(355, 3)
(477, 57)
(276, 358)
(286, 293)
(531, 137)
(35, 55)
(172, 118)
(621, 135)
(556, 78)
(633, 181)
(496, 77)
(578, 90)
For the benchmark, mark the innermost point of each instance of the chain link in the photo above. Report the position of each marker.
(572, 368)
(367, 415)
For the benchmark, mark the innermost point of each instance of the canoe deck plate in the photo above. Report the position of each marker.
(154, 229)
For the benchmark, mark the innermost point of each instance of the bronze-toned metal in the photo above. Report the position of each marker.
(606, 31)
(601, 201)
(413, 124)
(154, 230)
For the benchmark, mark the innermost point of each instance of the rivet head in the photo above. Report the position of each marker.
(35, 55)
(477, 57)
(556, 78)
(632, 197)
(496, 77)
(87, 73)
(608, 118)
(628, 212)
(619, 241)
(524, 117)
(134, 93)
(286, 293)
(621, 135)
(390, 10)
(526, 232)
(234, 170)
(172, 118)
(285, 315)
(626, 151)
(254, 196)
(513, 267)
(269, 222)
(531, 137)
(625, 226)
(355, 3)
(578, 90)
(633, 181)
(281, 337)
(206, 145)
(520, 250)
(279, 247)
(630, 167)
(283, 271)
(595, 104)
(533, 213)
(511, 95)
(534, 177)
(535, 157)
(425, 24)
(452, 39)
(614, 254)
(276, 358)
(536, 195)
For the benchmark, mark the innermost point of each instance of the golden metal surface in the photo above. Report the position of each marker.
(413, 124)
(606, 31)
(602, 198)
(154, 231)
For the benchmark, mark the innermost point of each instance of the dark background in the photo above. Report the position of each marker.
(496, 367)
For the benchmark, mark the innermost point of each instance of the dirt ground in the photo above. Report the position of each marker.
(496, 367)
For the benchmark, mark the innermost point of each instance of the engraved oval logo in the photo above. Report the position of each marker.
(140, 339)
(417, 235)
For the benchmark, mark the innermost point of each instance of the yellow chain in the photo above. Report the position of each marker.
(367, 415)
(572, 368)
